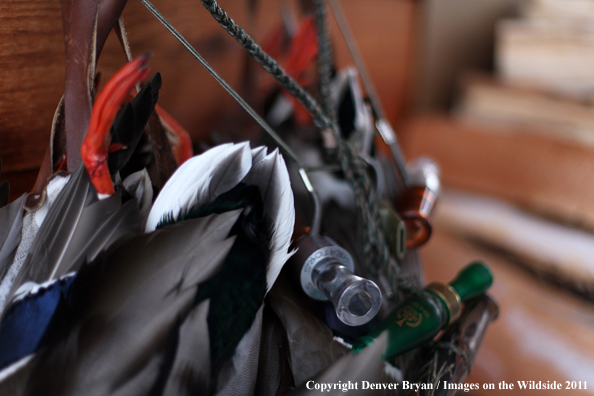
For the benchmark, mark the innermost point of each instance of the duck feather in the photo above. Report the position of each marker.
(11, 218)
(77, 227)
(311, 344)
(200, 180)
(271, 176)
(274, 371)
(365, 366)
(190, 374)
(126, 309)
(56, 231)
(238, 376)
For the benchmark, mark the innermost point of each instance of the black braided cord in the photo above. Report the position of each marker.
(374, 246)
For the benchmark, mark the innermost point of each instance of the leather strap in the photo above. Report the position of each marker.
(79, 20)
(86, 28)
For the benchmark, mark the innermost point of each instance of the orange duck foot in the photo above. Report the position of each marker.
(96, 147)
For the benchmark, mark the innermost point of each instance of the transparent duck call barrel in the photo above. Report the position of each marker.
(417, 201)
(325, 271)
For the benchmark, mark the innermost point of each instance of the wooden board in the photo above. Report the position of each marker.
(487, 100)
(456, 35)
(545, 55)
(31, 79)
(560, 254)
(537, 172)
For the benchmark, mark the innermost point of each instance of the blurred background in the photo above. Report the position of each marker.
(499, 92)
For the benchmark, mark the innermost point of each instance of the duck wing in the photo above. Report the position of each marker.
(129, 310)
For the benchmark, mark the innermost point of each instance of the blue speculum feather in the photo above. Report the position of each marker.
(237, 291)
(35, 321)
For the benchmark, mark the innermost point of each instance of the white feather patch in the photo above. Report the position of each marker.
(258, 154)
(203, 178)
(29, 289)
(272, 178)
(16, 366)
(200, 180)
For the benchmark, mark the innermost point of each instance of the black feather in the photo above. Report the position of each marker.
(142, 157)
(347, 112)
(4, 193)
(129, 125)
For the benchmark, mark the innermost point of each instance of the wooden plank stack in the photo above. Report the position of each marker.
(517, 162)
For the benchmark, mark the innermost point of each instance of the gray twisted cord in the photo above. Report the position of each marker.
(267, 63)
(324, 58)
(374, 246)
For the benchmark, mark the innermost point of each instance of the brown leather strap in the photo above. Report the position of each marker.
(86, 28)
(79, 19)
(53, 153)
(123, 38)
(109, 13)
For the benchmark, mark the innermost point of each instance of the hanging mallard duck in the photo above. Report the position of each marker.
(254, 268)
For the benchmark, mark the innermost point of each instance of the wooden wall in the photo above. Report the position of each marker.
(32, 64)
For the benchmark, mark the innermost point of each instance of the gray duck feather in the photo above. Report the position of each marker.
(131, 309)
(77, 227)
(11, 221)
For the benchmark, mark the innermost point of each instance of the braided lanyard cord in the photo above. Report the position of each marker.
(355, 170)
(324, 59)
(373, 236)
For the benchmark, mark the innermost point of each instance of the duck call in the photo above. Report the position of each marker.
(466, 335)
(418, 319)
(326, 272)
(417, 201)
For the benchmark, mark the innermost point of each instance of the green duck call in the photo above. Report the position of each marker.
(418, 319)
